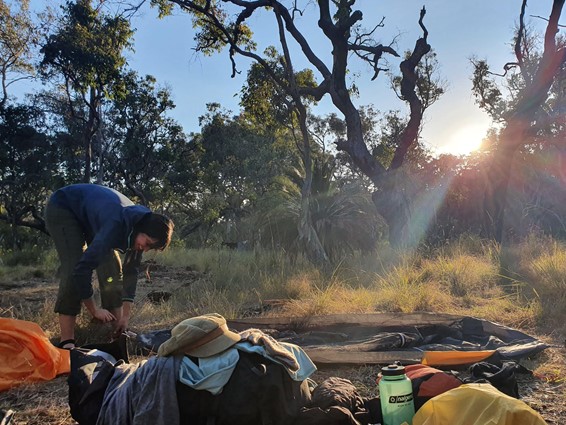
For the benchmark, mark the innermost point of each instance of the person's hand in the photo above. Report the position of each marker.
(103, 315)
(120, 326)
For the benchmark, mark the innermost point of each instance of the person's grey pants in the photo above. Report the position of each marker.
(70, 242)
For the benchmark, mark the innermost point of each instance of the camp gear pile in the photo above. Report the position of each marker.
(266, 377)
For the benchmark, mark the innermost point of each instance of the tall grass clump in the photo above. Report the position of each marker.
(470, 244)
(239, 270)
(360, 269)
(462, 275)
(546, 276)
(408, 289)
(331, 299)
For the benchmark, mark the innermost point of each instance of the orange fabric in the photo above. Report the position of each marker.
(436, 384)
(26, 354)
(450, 358)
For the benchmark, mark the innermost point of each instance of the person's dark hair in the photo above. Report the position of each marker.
(156, 226)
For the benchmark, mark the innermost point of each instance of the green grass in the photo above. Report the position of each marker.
(460, 278)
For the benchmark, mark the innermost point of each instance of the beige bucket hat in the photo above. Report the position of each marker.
(201, 336)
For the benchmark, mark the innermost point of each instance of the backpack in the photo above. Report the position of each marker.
(87, 381)
(259, 392)
(429, 382)
(89, 376)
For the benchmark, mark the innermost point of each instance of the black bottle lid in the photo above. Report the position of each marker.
(393, 370)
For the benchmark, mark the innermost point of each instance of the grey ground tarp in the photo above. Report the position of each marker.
(381, 338)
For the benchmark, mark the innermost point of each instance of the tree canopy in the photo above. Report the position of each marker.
(274, 173)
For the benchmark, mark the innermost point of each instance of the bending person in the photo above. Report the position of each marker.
(105, 221)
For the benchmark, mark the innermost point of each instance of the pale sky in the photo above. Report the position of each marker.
(457, 29)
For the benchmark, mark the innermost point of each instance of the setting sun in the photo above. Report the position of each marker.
(466, 139)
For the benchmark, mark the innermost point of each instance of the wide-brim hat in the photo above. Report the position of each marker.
(201, 336)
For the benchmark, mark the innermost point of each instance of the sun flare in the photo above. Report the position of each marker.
(466, 139)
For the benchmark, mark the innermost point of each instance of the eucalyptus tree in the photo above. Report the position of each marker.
(19, 34)
(233, 162)
(142, 142)
(86, 53)
(277, 104)
(225, 23)
(535, 80)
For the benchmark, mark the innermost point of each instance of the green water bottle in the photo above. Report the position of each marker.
(396, 395)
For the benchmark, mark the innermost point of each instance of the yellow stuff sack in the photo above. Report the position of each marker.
(476, 404)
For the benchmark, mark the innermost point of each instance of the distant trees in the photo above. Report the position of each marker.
(94, 116)
(139, 143)
(233, 163)
(28, 165)
(219, 26)
(86, 53)
(274, 173)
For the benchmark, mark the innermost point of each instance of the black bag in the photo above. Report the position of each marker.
(259, 392)
(88, 379)
(89, 376)
(501, 376)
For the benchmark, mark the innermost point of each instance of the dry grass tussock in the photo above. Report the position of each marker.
(462, 278)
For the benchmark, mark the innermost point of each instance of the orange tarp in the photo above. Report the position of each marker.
(26, 354)
(454, 358)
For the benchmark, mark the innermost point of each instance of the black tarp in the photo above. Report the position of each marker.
(380, 338)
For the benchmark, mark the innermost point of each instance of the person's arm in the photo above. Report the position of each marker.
(98, 313)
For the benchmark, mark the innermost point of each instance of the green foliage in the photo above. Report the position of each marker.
(267, 102)
(227, 168)
(429, 87)
(28, 166)
(25, 257)
(343, 218)
(87, 48)
(487, 93)
(144, 146)
(28, 263)
(83, 60)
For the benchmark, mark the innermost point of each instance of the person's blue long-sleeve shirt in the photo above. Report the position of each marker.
(108, 219)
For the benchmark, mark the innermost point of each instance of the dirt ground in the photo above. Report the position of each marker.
(45, 403)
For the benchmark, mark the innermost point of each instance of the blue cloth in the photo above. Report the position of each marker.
(108, 219)
(211, 373)
(306, 366)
